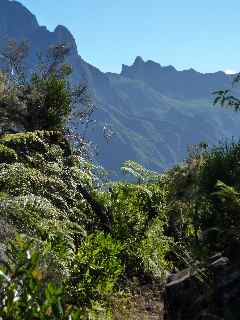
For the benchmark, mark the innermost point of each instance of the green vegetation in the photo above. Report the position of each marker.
(75, 248)
(87, 259)
(69, 259)
(43, 100)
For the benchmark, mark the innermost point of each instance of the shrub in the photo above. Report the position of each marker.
(97, 268)
(222, 163)
(153, 250)
(28, 290)
(7, 155)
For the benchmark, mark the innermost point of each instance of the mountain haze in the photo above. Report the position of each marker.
(155, 111)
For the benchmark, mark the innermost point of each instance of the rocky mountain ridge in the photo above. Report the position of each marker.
(154, 111)
(186, 84)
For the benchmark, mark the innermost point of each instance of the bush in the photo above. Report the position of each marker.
(153, 250)
(28, 290)
(97, 268)
(7, 155)
(222, 163)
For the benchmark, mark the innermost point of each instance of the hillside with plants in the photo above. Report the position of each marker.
(77, 246)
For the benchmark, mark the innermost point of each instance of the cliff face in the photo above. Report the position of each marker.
(155, 111)
(16, 21)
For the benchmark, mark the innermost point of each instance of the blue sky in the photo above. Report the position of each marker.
(203, 35)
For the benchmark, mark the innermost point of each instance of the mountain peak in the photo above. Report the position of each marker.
(137, 64)
(24, 21)
(64, 35)
(138, 61)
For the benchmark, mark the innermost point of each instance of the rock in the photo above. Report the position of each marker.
(217, 298)
(214, 257)
(232, 250)
(180, 291)
(63, 35)
(221, 262)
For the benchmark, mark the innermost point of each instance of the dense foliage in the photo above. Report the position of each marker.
(70, 260)
(73, 247)
(41, 179)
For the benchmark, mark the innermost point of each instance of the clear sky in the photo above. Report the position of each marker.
(199, 34)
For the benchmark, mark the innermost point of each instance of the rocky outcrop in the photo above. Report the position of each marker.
(64, 35)
(186, 84)
(216, 297)
(16, 21)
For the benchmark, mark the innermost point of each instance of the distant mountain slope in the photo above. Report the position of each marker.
(186, 84)
(159, 128)
(155, 111)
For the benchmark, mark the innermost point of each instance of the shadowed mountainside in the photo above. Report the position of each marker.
(155, 111)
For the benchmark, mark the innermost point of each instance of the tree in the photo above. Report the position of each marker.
(42, 100)
(226, 98)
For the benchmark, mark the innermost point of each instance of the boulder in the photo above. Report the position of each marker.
(216, 297)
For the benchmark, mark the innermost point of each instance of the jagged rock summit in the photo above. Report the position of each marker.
(18, 23)
(65, 36)
(186, 84)
(13, 15)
